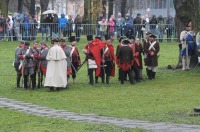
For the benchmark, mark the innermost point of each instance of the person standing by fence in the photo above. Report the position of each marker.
(70, 26)
(78, 22)
(63, 27)
(9, 29)
(153, 23)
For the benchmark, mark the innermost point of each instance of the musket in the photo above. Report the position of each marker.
(81, 65)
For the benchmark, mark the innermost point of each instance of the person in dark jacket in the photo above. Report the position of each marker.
(153, 23)
(70, 25)
(128, 27)
(125, 56)
(78, 22)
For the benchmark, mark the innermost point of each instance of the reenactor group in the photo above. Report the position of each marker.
(60, 61)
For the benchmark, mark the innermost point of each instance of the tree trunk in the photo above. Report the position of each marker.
(110, 8)
(186, 10)
(87, 12)
(44, 5)
(123, 7)
(32, 8)
(20, 5)
(4, 7)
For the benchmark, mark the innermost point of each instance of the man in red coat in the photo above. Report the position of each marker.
(74, 54)
(125, 56)
(108, 63)
(93, 56)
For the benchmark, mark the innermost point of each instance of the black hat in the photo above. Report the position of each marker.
(26, 43)
(97, 37)
(152, 36)
(107, 37)
(61, 40)
(72, 38)
(138, 14)
(126, 41)
(148, 33)
(132, 37)
(89, 37)
(55, 40)
(121, 38)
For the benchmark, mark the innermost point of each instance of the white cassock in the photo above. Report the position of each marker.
(56, 68)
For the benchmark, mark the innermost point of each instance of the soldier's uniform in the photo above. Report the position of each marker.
(42, 66)
(135, 61)
(125, 56)
(141, 51)
(93, 56)
(108, 64)
(146, 42)
(117, 60)
(152, 48)
(17, 63)
(27, 55)
(67, 49)
(75, 57)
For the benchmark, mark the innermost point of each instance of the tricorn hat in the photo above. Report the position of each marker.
(97, 37)
(72, 38)
(121, 38)
(148, 33)
(152, 36)
(126, 41)
(55, 40)
(89, 37)
(61, 40)
(107, 37)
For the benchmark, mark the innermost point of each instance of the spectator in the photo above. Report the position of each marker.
(78, 22)
(26, 28)
(70, 25)
(54, 26)
(2, 27)
(128, 26)
(9, 29)
(102, 29)
(161, 28)
(119, 16)
(45, 23)
(111, 25)
(169, 28)
(153, 23)
(138, 24)
(33, 30)
(119, 26)
(16, 26)
(62, 23)
(98, 26)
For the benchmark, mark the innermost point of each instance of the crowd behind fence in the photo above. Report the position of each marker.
(46, 31)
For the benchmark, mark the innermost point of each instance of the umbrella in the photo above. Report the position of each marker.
(49, 12)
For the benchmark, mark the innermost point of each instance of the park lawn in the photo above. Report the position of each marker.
(169, 98)
(12, 121)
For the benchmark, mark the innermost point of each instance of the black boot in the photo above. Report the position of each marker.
(153, 75)
(18, 80)
(96, 79)
(107, 79)
(25, 82)
(150, 74)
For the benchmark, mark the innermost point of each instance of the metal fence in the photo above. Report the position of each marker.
(45, 31)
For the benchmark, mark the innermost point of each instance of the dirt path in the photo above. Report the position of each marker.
(38, 110)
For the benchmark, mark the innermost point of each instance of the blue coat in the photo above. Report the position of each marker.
(190, 41)
(62, 22)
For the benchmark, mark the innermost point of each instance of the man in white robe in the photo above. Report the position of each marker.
(56, 68)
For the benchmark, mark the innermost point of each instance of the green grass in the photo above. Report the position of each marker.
(169, 98)
(18, 122)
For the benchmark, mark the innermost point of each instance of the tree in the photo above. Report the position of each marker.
(185, 10)
(87, 12)
(32, 8)
(4, 6)
(20, 5)
(123, 7)
(44, 5)
(110, 8)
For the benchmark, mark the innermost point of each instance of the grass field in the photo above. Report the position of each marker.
(169, 98)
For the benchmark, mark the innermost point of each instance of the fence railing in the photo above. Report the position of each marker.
(45, 31)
